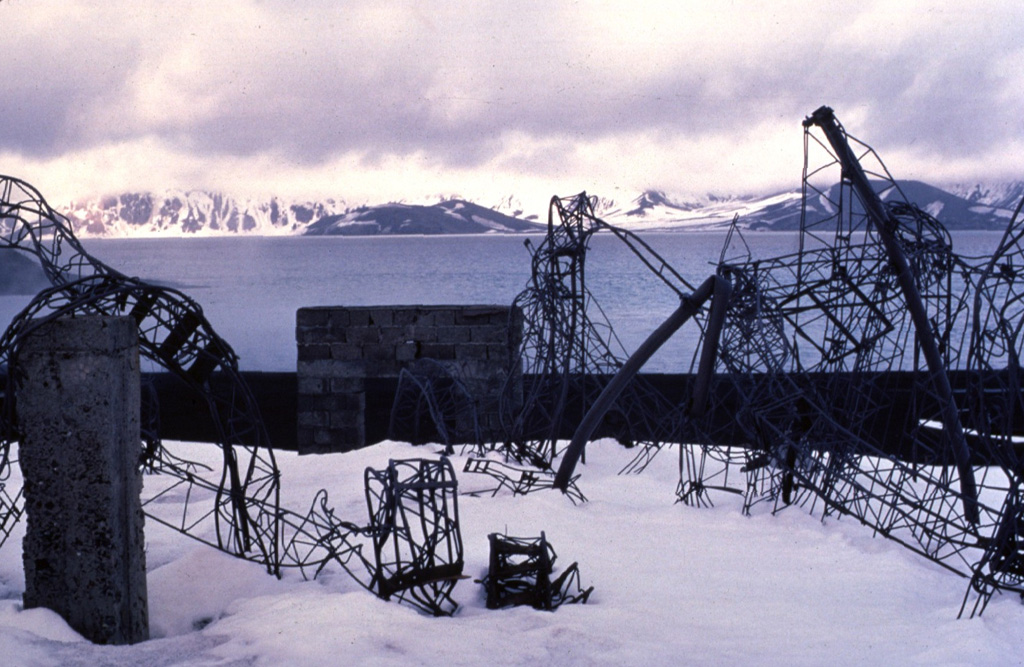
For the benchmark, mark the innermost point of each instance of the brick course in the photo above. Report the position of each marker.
(341, 348)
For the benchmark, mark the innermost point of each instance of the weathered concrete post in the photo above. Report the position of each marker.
(78, 407)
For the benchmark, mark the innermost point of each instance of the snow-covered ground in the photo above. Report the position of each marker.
(673, 585)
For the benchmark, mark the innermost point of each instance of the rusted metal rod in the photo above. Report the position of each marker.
(688, 307)
(884, 225)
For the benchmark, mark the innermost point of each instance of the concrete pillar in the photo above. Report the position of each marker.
(78, 408)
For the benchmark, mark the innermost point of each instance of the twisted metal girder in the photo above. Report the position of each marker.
(253, 479)
(561, 345)
(174, 333)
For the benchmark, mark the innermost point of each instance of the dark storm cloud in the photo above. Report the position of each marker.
(52, 79)
(955, 89)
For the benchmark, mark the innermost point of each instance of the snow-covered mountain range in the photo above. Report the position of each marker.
(1000, 195)
(213, 214)
(967, 207)
(960, 206)
(194, 212)
(453, 216)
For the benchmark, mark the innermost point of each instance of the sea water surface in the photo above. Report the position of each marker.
(250, 287)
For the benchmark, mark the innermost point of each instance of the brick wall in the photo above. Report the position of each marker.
(343, 353)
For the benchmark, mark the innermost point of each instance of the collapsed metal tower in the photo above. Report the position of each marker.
(874, 374)
(863, 396)
(236, 508)
(569, 353)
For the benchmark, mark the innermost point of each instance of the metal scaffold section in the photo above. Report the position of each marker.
(570, 353)
(875, 373)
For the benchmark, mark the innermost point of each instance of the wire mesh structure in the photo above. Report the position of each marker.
(569, 352)
(875, 372)
(237, 507)
(417, 545)
(519, 573)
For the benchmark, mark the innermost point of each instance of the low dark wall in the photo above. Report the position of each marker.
(350, 359)
(184, 416)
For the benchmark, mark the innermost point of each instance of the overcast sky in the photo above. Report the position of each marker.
(386, 100)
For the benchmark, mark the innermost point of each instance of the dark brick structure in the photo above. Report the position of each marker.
(344, 354)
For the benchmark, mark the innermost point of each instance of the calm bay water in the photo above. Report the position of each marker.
(250, 288)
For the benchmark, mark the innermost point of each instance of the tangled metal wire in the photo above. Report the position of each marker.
(569, 353)
(236, 508)
(876, 373)
(419, 556)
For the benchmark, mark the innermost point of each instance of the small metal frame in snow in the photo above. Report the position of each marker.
(520, 574)
(417, 546)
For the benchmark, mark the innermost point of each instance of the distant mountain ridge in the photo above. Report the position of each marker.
(1005, 195)
(454, 216)
(980, 207)
(194, 212)
(202, 213)
(20, 273)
